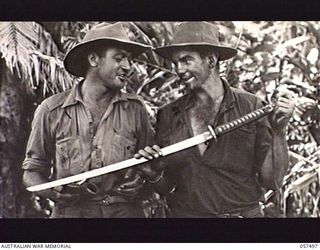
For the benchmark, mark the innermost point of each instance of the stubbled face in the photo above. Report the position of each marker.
(192, 69)
(113, 67)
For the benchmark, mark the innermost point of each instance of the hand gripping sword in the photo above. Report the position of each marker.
(212, 133)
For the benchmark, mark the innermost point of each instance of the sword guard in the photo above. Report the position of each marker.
(213, 134)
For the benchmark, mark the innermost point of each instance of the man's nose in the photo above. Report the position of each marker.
(180, 68)
(125, 64)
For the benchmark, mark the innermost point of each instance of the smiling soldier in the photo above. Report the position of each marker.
(92, 125)
(226, 178)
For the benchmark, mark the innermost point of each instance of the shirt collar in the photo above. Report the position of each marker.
(228, 99)
(75, 96)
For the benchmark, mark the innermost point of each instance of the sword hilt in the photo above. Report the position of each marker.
(253, 116)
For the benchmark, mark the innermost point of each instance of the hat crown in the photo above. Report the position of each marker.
(196, 33)
(111, 31)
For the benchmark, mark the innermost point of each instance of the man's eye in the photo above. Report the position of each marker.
(117, 59)
(188, 60)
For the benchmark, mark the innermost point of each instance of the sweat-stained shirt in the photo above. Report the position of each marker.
(225, 178)
(63, 143)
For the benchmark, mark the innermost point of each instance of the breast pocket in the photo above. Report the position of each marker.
(68, 156)
(239, 150)
(123, 147)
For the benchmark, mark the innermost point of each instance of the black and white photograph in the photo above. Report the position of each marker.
(159, 119)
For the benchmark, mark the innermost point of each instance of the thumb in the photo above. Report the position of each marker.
(147, 170)
(130, 173)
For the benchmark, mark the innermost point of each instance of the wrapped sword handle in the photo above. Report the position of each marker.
(237, 123)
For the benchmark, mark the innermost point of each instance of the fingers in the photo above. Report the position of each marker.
(65, 196)
(157, 149)
(148, 172)
(283, 111)
(284, 107)
(143, 153)
(285, 102)
(284, 93)
(131, 187)
(137, 156)
(136, 181)
(149, 153)
(154, 151)
(45, 194)
(282, 114)
(130, 173)
(130, 191)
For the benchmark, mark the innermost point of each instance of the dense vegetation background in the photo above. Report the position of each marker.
(271, 55)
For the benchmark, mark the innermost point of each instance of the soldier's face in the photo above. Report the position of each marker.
(192, 69)
(113, 67)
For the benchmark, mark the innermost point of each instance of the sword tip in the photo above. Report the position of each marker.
(31, 189)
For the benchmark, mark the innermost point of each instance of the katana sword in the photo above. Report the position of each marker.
(212, 133)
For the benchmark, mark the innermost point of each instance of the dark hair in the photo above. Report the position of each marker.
(99, 48)
(208, 53)
(204, 52)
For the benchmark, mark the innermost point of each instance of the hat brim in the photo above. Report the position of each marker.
(225, 53)
(75, 61)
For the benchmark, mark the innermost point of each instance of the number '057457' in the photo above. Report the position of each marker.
(308, 245)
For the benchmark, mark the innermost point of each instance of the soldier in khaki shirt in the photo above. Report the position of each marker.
(92, 125)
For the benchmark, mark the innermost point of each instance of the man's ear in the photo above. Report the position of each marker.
(212, 60)
(93, 59)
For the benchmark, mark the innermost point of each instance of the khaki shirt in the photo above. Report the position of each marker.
(63, 143)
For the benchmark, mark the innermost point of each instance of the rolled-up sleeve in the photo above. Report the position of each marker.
(39, 150)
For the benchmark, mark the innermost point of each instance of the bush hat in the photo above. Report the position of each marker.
(115, 34)
(198, 35)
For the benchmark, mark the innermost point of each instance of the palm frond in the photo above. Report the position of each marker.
(30, 51)
(140, 34)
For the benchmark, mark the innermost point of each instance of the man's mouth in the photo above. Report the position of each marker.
(122, 77)
(188, 80)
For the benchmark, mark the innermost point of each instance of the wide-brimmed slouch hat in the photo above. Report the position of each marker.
(198, 35)
(115, 34)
